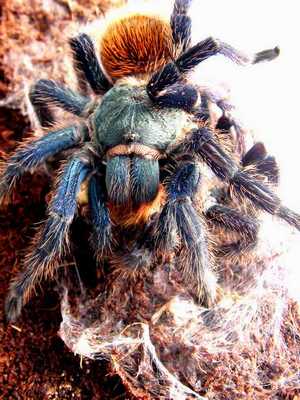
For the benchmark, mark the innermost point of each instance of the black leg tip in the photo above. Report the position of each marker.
(266, 55)
(257, 153)
(289, 216)
(13, 307)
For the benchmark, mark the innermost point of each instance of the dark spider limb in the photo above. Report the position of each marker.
(173, 72)
(266, 55)
(179, 217)
(46, 93)
(264, 165)
(51, 243)
(202, 143)
(179, 95)
(87, 65)
(224, 123)
(29, 156)
(203, 112)
(245, 226)
(181, 24)
(101, 235)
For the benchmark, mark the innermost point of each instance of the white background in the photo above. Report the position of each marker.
(267, 94)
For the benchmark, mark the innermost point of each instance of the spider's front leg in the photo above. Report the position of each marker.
(30, 156)
(242, 181)
(179, 218)
(101, 236)
(46, 93)
(52, 242)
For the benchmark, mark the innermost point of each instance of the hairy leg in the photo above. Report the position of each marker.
(101, 235)
(181, 24)
(51, 242)
(166, 86)
(179, 218)
(173, 72)
(87, 65)
(234, 221)
(243, 183)
(46, 93)
(30, 155)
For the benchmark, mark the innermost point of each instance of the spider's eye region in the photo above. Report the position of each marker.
(131, 137)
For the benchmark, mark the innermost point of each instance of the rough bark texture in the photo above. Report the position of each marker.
(34, 361)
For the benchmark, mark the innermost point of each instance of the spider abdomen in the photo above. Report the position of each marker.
(136, 44)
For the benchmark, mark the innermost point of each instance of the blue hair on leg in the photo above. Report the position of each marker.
(30, 156)
(179, 217)
(46, 92)
(101, 235)
(51, 243)
(182, 187)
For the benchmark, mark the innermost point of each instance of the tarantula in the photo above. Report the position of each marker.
(139, 149)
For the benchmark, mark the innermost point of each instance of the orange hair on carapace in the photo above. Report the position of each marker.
(135, 45)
